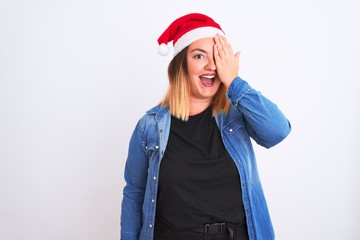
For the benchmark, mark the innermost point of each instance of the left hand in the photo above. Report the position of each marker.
(227, 63)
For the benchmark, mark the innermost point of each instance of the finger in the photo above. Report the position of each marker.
(226, 45)
(219, 46)
(222, 43)
(237, 56)
(216, 53)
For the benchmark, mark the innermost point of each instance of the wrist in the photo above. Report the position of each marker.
(228, 81)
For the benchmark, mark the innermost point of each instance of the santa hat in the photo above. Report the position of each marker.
(187, 29)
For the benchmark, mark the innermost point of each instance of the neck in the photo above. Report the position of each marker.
(198, 106)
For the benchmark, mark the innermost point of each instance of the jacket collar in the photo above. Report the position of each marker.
(158, 111)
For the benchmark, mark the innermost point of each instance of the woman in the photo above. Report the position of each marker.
(191, 171)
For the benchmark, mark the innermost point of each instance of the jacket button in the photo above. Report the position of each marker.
(231, 130)
(150, 225)
(154, 177)
(157, 147)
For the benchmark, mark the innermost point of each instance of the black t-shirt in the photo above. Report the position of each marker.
(198, 182)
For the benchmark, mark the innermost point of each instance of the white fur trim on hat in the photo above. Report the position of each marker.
(194, 35)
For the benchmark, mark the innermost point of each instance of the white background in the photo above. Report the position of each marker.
(75, 76)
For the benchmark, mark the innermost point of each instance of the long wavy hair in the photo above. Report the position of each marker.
(177, 97)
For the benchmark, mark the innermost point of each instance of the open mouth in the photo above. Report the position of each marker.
(207, 80)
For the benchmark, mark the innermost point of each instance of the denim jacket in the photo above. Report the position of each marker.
(251, 116)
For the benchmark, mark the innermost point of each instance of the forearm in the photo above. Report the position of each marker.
(266, 124)
(131, 208)
(133, 194)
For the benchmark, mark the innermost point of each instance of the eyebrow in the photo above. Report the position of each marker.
(198, 49)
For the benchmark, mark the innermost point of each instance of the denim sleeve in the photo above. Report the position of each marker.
(134, 190)
(265, 123)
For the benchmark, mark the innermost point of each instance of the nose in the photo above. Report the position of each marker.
(211, 65)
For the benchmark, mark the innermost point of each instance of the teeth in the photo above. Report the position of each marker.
(205, 76)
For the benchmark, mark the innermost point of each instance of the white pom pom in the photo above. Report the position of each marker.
(163, 49)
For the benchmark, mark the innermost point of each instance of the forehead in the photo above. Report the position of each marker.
(204, 44)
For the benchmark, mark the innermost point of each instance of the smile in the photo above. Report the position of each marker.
(207, 80)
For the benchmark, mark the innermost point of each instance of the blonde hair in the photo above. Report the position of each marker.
(177, 97)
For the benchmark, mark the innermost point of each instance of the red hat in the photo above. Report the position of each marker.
(187, 29)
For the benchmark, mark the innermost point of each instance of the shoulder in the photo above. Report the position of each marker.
(152, 115)
(157, 110)
(148, 124)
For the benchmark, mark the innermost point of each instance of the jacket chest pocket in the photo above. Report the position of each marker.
(236, 130)
(151, 149)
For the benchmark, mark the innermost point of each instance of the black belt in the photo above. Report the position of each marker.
(213, 228)
(210, 228)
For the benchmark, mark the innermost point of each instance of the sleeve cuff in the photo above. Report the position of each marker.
(238, 88)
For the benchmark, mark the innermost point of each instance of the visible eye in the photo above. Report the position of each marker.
(199, 56)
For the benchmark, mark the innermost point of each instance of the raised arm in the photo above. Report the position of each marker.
(265, 123)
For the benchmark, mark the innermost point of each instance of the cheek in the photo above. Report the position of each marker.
(191, 70)
(194, 81)
(194, 68)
